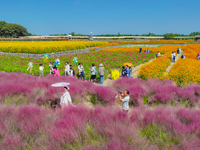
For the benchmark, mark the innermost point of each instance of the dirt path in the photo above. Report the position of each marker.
(135, 71)
(172, 64)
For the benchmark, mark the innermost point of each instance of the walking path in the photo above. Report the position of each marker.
(172, 64)
(135, 71)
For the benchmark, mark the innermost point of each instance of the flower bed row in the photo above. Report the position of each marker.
(46, 47)
(152, 42)
(110, 60)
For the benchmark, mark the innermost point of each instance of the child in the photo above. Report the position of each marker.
(41, 68)
(30, 66)
(56, 71)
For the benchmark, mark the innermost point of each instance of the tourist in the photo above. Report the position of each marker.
(147, 51)
(130, 71)
(101, 73)
(81, 71)
(51, 68)
(124, 74)
(124, 98)
(140, 50)
(65, 99)
(183, 56)
(198, 56)
(178, 50)
(67, 68)
(158, 54)
(56, 71)
(30, 66)
(93, 73)
(174, 56)
(41, 68)
(127, 71)
(71, 72)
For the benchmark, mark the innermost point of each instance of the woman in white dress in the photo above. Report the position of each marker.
(65, 99)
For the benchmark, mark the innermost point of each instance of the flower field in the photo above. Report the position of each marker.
(157, 67)
(46, 47)
(152, 42)
(110, 60)
(187, 70)
(153, 122)
(154, 69)
(162, 49)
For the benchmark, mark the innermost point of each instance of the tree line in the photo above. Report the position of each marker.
(12, 30)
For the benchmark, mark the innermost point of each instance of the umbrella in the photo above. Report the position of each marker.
(60, 84)
(129, 64)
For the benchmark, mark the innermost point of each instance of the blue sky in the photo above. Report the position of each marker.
(46, 17)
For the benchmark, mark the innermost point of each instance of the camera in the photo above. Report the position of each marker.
(120, 92)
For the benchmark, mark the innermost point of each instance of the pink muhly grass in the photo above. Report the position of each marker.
(29, 119)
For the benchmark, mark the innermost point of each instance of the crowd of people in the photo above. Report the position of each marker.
(70, 72)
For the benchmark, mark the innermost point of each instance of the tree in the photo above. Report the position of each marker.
(73, 33)
(12, 30)
(169, 36)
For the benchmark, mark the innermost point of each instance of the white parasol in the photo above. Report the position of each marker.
(60, 84)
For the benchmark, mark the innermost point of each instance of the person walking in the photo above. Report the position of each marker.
(174, 57)
(81, 71)
(67, 68)
(65, 99)
(93, 73)
(30, 66)
(101, 72)
(127, 71)
(41, 68)
(56, 71)
(124, 98)
(178, 50)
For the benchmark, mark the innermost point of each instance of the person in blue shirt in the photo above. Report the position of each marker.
(140, 50)
(198, 56)
(147, 51)
(127, 71)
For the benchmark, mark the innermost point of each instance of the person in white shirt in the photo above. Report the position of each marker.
(174, 57)
(65, 99)
(41, 68)
(81, 71)
(71, 72)
(124, 98)
(67, 68)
